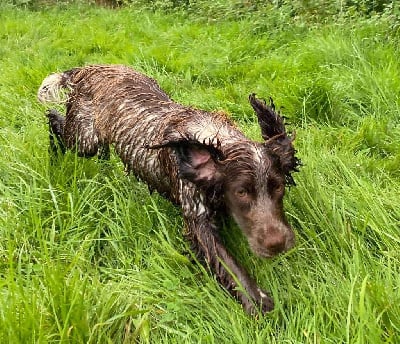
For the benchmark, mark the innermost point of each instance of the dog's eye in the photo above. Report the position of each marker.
(242, 192)
(275, 187)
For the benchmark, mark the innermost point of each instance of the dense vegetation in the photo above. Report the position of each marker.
(88, 255)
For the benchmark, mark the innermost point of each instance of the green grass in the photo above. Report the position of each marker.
(87, 255)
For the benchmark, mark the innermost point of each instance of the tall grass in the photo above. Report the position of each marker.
(87, 255)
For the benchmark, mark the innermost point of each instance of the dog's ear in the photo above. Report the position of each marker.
(271, 123)
(273, 131)
(282, 147)
(198, 162)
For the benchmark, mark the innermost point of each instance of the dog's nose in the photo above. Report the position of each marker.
(275, 242)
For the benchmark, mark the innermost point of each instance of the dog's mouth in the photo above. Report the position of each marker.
(263, 253)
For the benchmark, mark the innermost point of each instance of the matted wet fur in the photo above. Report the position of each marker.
(198, 159)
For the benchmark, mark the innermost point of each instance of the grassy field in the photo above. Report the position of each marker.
(87, 255)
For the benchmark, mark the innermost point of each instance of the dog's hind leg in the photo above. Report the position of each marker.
(104, 151)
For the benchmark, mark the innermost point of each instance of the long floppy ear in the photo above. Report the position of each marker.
(276, 139)
(198, 162)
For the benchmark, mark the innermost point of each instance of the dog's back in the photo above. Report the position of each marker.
(114, 104)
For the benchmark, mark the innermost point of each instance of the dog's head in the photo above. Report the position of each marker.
(248, 177)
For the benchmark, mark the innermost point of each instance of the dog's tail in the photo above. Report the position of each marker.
(53, 86)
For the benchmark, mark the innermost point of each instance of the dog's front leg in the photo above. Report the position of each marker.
(232, 276)
(56, 132)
